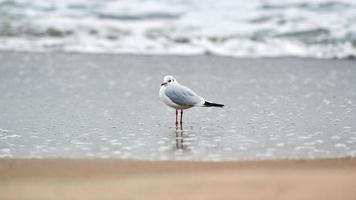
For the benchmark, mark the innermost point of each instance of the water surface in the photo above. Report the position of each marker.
(107, 106)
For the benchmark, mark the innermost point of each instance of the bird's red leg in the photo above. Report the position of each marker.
(176, 117)
(181, 116)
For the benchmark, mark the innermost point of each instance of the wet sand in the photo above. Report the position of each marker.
(122, 179)
(107, 106)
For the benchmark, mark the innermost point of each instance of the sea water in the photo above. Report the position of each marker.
(107, 106)
(254, 28)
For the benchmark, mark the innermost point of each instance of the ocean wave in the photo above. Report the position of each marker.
(319, 28)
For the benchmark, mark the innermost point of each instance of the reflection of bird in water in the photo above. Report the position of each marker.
(180, 97)
(179, 136)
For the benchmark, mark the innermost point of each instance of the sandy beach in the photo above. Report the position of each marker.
(120, 179)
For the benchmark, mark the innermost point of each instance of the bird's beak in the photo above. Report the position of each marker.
(164, 83)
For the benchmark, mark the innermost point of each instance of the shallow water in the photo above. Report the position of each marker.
(318, 28)
(107, 106)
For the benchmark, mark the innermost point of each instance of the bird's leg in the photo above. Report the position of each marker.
(176, 117)
(181, 116)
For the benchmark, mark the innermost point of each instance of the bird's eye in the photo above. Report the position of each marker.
(169, 81)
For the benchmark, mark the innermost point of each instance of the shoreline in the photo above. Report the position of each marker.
(128, 179)
(36, 166)
(348, 58)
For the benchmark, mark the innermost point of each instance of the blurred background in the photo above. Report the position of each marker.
(254, 28)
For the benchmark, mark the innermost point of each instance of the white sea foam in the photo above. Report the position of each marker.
(319, 28)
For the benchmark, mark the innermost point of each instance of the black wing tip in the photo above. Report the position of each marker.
(211, 104)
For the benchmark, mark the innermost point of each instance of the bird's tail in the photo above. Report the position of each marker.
(211, 104)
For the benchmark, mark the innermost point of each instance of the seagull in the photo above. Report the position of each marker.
(180, 97)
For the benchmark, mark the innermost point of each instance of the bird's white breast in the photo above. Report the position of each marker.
(168, 101)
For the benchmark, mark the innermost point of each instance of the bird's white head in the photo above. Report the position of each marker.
(168, 80)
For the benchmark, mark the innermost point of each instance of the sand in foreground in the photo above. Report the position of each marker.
(117, 179)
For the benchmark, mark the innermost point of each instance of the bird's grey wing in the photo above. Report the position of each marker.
(182, 95)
